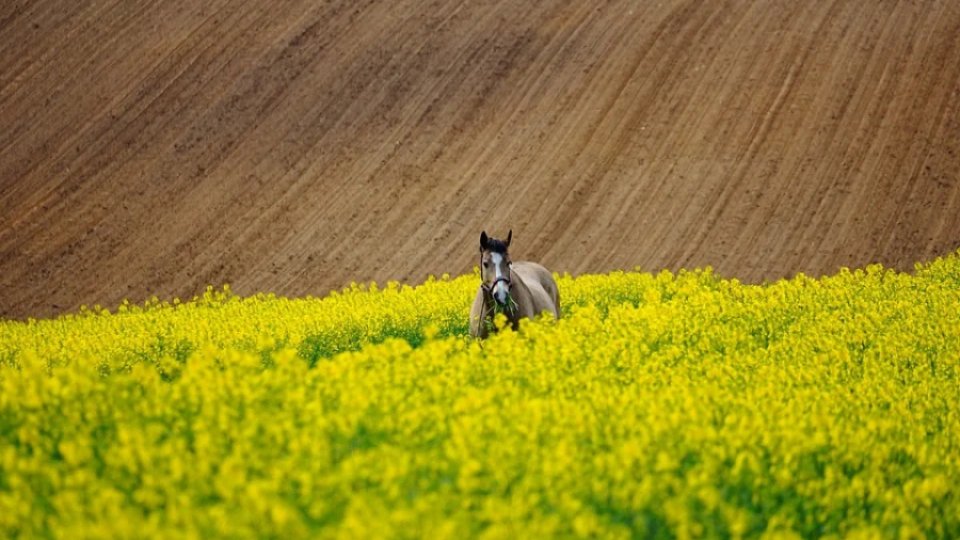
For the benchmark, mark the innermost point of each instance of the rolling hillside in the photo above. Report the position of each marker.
(151, 148)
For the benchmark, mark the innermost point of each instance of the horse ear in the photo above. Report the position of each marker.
(509, 236)
(483, 240)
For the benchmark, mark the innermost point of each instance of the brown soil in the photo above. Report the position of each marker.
(152, 148)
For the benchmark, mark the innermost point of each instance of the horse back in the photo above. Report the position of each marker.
(544, 295)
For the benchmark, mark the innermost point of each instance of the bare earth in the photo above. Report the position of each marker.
(152, 148)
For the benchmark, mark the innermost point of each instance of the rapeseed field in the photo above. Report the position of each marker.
(660, 405)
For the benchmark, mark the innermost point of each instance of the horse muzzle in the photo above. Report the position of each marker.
(501, 291)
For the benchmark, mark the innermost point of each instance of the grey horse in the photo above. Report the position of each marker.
(516, 289)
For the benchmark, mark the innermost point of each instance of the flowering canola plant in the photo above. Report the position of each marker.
(670, 405)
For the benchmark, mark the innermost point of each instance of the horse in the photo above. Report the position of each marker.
(517, 289)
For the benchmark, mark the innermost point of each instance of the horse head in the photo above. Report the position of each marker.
(495, 267)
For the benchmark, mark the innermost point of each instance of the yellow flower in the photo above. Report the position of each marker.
(658, 405)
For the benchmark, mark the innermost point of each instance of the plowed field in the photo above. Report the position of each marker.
(151, 148)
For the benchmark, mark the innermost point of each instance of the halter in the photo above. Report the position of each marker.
(489, 288)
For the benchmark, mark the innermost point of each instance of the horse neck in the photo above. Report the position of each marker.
(520, 294)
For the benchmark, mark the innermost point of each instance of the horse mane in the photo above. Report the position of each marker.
(496, 246)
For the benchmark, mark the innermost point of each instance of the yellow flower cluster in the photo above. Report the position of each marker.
(669, 405)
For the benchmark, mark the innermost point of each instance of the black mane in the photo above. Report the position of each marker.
(496, 246)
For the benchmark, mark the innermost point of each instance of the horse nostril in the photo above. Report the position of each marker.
(500, 294)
